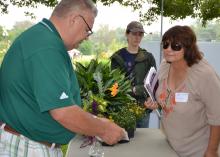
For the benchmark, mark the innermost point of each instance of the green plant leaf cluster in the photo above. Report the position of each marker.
(96, 80)
(126, 119)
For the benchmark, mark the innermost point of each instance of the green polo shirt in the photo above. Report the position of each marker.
(37, 76)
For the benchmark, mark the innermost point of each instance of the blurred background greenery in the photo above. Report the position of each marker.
(105, 41)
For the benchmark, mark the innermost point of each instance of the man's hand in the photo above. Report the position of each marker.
(87, 124)
(112, 133)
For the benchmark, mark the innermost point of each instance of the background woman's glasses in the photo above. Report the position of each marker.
(174, 46)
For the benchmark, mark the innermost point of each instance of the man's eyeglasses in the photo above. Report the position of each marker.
(89, 32)
(174, 46)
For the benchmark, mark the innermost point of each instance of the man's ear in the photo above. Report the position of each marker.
(73, 17)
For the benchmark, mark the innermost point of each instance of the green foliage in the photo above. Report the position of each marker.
(64, 149)
(103, 42)
(208, 33)
(176, 9)
(122, 120)
(209, 10)
(1, 33)
(116, 45)
(28, 3)
(1, 57)
(7, 36)
(17, 29)
(105, 93)
(4, 42)
(107, 40)
(86, 47)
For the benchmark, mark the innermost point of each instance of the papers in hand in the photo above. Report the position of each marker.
(125, 137)
(151, 84)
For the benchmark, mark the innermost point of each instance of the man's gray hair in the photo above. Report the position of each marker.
(66, 6)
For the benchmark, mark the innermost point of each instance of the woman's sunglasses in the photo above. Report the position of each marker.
(174, 46)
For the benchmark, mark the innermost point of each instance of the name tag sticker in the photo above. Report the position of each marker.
(181, 97)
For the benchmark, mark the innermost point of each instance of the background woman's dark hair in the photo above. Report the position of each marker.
(185, 36)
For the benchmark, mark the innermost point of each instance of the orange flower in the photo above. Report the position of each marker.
(114, 89)
(163, 96)
(173, 102)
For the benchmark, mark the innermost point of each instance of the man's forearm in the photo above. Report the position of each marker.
(76, 120)
(79, 121)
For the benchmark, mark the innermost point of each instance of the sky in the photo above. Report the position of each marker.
(114, 16)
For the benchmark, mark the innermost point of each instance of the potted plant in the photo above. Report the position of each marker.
(106, 93)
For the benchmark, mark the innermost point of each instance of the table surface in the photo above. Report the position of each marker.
(146, 142)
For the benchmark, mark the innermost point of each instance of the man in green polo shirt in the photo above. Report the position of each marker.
(39, 92)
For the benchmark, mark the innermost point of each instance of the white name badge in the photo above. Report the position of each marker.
(181, 97)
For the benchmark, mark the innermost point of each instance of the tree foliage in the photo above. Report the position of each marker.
(86, 47)
(18, 28)
(25, 3)
(104, 40)
(175, 9)
(7, 36)
(209, 33)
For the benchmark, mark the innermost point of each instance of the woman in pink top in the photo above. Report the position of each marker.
(189, 95)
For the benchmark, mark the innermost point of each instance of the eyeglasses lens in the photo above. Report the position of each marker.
(174, 46)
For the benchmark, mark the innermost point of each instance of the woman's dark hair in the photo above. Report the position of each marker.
(185, 36)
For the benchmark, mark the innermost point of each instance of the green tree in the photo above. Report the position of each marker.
(104, 34)
(115, 45)
(18, 28)
(7, 36)
(217, 29)
(176, 9)
(103, 42)
(208, 33)
(108, 40)
(1, 33)
(4, 42)
(86, 47)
